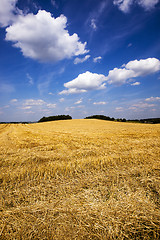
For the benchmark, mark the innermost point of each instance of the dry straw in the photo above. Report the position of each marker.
(80, 179)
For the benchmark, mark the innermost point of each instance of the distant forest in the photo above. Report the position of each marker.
(55, 118)
(147, 120)
(102, 117)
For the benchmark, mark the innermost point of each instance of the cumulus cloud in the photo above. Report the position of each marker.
(7, 12)
(72, 91)
(97, 59)
(152, 99)
(99, 103)
(119, 76)
(84, 82)
(141, 105)
(87, 81)
(81, 60)
(133, 69)
(33, 102)
(53, 45)
(135, 84)
(125, 5)
(144, 66)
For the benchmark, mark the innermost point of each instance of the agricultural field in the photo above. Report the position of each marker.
(80, 179)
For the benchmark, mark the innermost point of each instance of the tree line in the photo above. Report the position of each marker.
(101, 117)
(147, 120)
(55, 118)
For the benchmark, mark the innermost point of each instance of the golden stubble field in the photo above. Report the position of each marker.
(80, 179)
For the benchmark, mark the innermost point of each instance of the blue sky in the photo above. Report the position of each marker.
(79, 58)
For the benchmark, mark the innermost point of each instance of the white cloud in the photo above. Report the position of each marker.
(78, 102)
(7, 10)
(97, 59)
(99, 103)
(119, 109)
(51, 105)
(25, 107)
(72, 91)
(152, 99)
(133, 69)
(141, 105)
(144, 66)
(29, 112)
(132, 108)
(61, 99)
(30, 79)
(87, 81)
(119, 76)
(39, 104)
(84, 82)
(53, 45)
(33, 102)
(135, 84)
(81, 60)
(93, 24)
(147, 4)
(125, 5)
(67, 109)
(14, 100)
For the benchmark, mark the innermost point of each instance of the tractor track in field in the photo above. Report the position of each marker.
(4, 127)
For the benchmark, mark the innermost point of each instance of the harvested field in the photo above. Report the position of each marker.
(80, 179)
